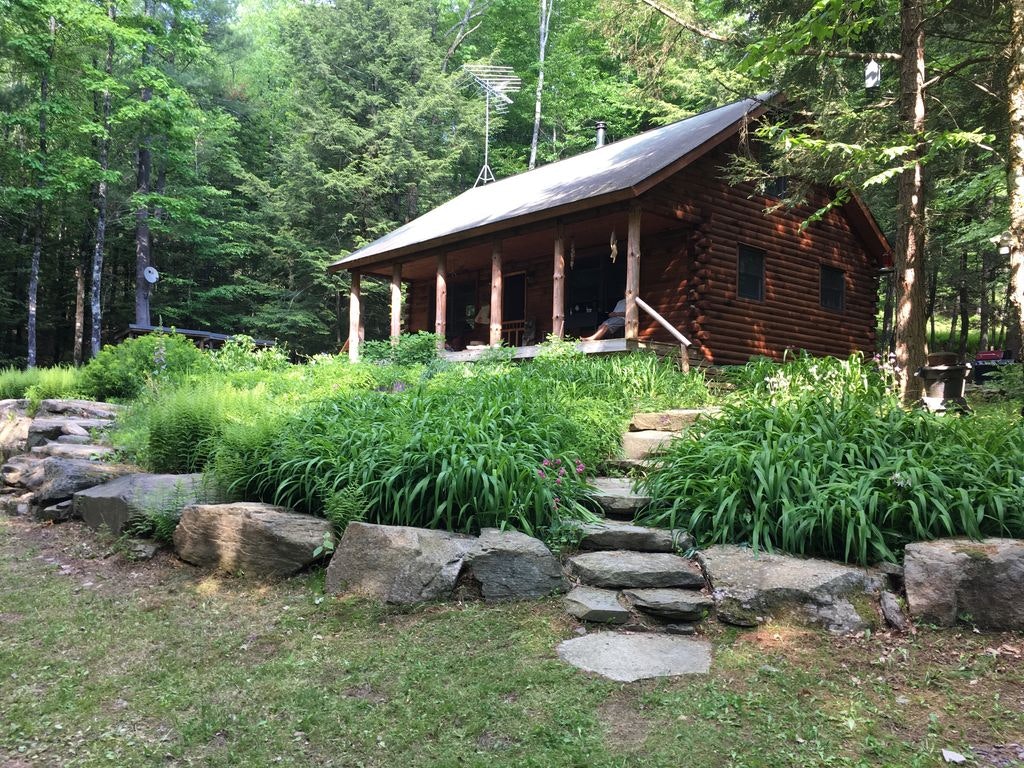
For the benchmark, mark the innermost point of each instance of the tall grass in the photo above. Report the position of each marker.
(38, 384)
(818, 458)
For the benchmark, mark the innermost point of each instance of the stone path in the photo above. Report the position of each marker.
(630, 656)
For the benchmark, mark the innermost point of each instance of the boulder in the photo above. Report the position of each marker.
(615, 497)
(749, 587)
(398, 564)
(593, 604)
(892, 612)
(610, 534)
(57, 513)
(14, 424)
(22, 472)
(642, 445)
(15, 502)
(113, 505)
(63, 478)
(89, 452)
(981, 582)
(82, 409)
(43, 430)
(622, 569)
(676, 604)
(508, 565)
(257, 540)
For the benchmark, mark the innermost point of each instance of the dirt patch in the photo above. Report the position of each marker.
(490, 742)
(999, 755)
(625, 727)
(366, 693)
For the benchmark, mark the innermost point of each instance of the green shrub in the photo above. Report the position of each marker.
(122, 371)
(817, 458)
(183, 427)
(240, 353)
(411, 349)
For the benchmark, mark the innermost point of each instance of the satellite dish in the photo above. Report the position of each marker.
(151, 275)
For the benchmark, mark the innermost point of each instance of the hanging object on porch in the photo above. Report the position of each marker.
(613, 246)
(495, 83)
(572, 253)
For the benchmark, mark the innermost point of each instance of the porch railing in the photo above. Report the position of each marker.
(512, 332)
(684, 343)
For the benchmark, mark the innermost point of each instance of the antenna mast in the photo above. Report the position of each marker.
(495, 83)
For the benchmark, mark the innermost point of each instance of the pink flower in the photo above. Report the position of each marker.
(561, 472)
(558, 481)
(540, 473)
(546, 462)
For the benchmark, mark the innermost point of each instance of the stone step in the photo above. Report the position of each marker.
(612, 534)
(72, 451)
(641, 445)
(622, 569)
(674, 420)
(43, 430)
(87, 409)
(598, 605)
(671, 604)
(615, 497)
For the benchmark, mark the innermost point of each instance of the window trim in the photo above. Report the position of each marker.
(763, 254)
(824, 269)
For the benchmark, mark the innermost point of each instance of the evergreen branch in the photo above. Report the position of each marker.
(668, 13)
(956, 69)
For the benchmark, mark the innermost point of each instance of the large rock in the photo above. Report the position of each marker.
(749, 588)
(641, 445)
(593, 604)
(610, 534)
(82, 409)
(616, 498)
(63, 478)
(674, 420)
(254, 539)
(42, 430)
(398, 564)
(507, 565)
(981, 582)
(23, 472)
(622, 569)
(14, 424)
(113, 505)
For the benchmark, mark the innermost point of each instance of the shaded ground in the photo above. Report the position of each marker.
(109, 663)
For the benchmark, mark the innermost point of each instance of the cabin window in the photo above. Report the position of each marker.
(750, 273)
(833, 288)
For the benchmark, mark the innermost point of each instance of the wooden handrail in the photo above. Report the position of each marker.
(663, 322)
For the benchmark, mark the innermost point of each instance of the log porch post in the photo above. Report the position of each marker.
(441, 299)
(633, 274)
(558, 285)
(354, 317)
(496, 295)
(396, 302)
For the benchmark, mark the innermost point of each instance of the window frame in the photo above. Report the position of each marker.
(831, 269)
(742, 249)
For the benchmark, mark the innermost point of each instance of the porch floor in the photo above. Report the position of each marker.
(600, 347)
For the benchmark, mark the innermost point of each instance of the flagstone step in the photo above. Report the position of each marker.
(616, 498)
(673, 420)
(646, 443)
(623, 569)
(596, 605)
(72, 451)
(671, 604)
(616, 535)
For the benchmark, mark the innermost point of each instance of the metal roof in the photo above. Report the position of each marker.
(601, 175)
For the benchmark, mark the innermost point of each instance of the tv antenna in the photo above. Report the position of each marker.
(496, 83)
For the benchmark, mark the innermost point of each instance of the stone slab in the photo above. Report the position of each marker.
(677, 604)
(611, 534)
(115, 504)
(598, 605)
(508, 565)
(42, 430)
(616, 498)
(87, 452)
(88, 409)
(673, 420)
(624, 569)
(641, 445)
(627, 657)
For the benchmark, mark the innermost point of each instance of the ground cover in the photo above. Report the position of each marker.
(112, 663)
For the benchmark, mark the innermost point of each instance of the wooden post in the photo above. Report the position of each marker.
(496, 295)
(396, 302)
(633, 274)
(558, 285)
(354, 318)
(441, 299)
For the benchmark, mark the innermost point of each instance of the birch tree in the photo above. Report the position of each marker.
(546, 7)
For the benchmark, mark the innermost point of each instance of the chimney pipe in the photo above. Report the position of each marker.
(600, 133)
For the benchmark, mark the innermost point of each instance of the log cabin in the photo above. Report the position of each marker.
(718, 268)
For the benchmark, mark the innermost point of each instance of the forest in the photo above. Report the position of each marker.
(238, 147)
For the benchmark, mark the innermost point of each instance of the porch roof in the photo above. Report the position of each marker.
(615, 172)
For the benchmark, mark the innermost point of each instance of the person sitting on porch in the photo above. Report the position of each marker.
(612, 326)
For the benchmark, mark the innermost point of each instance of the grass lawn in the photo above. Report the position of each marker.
(108, 663)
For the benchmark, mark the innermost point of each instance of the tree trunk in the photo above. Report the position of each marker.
(887, 312)
(953, 320)
(965, 306)
(545, 24)
(145, 168)
(37, 238)
(1016, 177)
(986, 304)
(911, 350)
(95, 300)
(79, 310)
(933, 287)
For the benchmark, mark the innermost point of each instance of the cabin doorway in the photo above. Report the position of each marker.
(513, 308)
